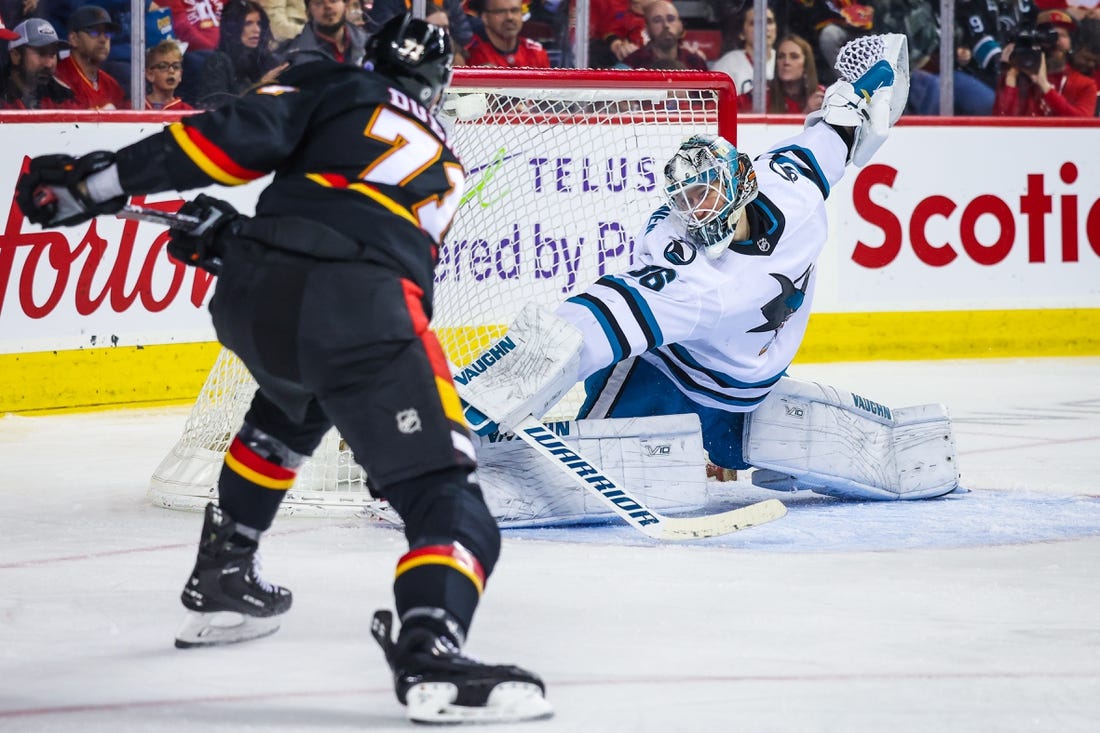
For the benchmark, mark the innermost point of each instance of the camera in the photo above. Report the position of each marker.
(1030, 45)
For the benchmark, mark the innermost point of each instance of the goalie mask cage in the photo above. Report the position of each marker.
(564, 167)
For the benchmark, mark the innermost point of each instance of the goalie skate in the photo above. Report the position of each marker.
(438, 684)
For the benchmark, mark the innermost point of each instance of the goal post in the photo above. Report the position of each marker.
(564, 167)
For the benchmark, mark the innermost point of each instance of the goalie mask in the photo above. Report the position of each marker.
(418, 56)
(708, 184)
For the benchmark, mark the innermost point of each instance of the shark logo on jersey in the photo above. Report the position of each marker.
(785, 169)
(791, 296)
(679, 252)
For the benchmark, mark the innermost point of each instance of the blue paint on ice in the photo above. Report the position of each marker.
(821, 524)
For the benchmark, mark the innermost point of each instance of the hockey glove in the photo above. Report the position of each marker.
(54, 192)
(198, 245)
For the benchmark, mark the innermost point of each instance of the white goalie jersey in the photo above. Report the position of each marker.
(723, 330)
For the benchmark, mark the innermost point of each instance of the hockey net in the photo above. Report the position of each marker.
(564, 167)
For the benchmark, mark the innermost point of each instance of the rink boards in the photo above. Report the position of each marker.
(956, 242)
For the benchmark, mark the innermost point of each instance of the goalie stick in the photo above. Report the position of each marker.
(636, 514)
(579, 469)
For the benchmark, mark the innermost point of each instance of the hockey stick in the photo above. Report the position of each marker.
(156, 216)
(635, 513)
(579, 469)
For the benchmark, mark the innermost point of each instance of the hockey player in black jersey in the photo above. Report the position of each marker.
(325, 294)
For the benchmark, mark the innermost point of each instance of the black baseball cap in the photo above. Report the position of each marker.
(89, 16)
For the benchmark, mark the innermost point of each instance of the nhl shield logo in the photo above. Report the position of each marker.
(679, 252)
(408, 421)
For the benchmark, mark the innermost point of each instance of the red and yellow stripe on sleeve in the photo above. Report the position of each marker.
(254, 468)
(211, 160)
(453, 556)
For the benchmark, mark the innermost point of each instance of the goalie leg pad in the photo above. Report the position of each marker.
(660, 459)
(526, 372)
(838, 443)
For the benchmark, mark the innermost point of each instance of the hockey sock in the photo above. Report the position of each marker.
(257, 471)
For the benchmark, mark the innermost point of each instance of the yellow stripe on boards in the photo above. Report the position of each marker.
(89, 379)
(951, 335)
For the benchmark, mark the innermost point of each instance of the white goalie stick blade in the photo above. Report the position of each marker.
(620, 501)
(223, 627)
(509, 702)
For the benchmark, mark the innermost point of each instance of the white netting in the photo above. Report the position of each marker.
(859, 55)
(560, 180)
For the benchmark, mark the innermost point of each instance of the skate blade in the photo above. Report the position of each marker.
(509, 702)
(222, 627)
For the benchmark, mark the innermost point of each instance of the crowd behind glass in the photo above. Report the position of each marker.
(1011, 57)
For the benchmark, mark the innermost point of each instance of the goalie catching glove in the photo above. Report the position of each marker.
(871, 93)
(62, 191)
(198, 245)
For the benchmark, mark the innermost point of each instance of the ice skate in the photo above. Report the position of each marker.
(226, 598)
(438, 684)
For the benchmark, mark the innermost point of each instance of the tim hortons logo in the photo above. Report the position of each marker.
(92, 271)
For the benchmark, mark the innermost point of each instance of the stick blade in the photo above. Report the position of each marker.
(678, 529)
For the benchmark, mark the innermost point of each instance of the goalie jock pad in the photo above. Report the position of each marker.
(838, 443)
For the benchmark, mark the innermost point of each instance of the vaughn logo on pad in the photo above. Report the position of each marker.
(478, 366)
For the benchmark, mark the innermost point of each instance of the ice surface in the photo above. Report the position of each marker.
(970, 613)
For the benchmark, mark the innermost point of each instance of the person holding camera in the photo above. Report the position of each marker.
(1037, 80)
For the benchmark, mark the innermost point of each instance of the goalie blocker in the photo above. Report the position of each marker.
(834, 442)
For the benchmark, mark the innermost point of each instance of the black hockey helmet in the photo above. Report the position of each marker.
(415, 54)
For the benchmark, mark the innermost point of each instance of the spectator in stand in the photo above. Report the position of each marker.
(30, 82)
(983, 29)
(738, 62)
(244, 57)
(196, 24)
(163, 71)
(458, 22)
(616, 29)
(829, 24)
(287, 17)
(119, 59)
(501, 44)
(918, 20)
(795, 88)
(327, 33)
(1042, 83)
(90, 33)
(14, 12)
(1086, 58)
(666, 32)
